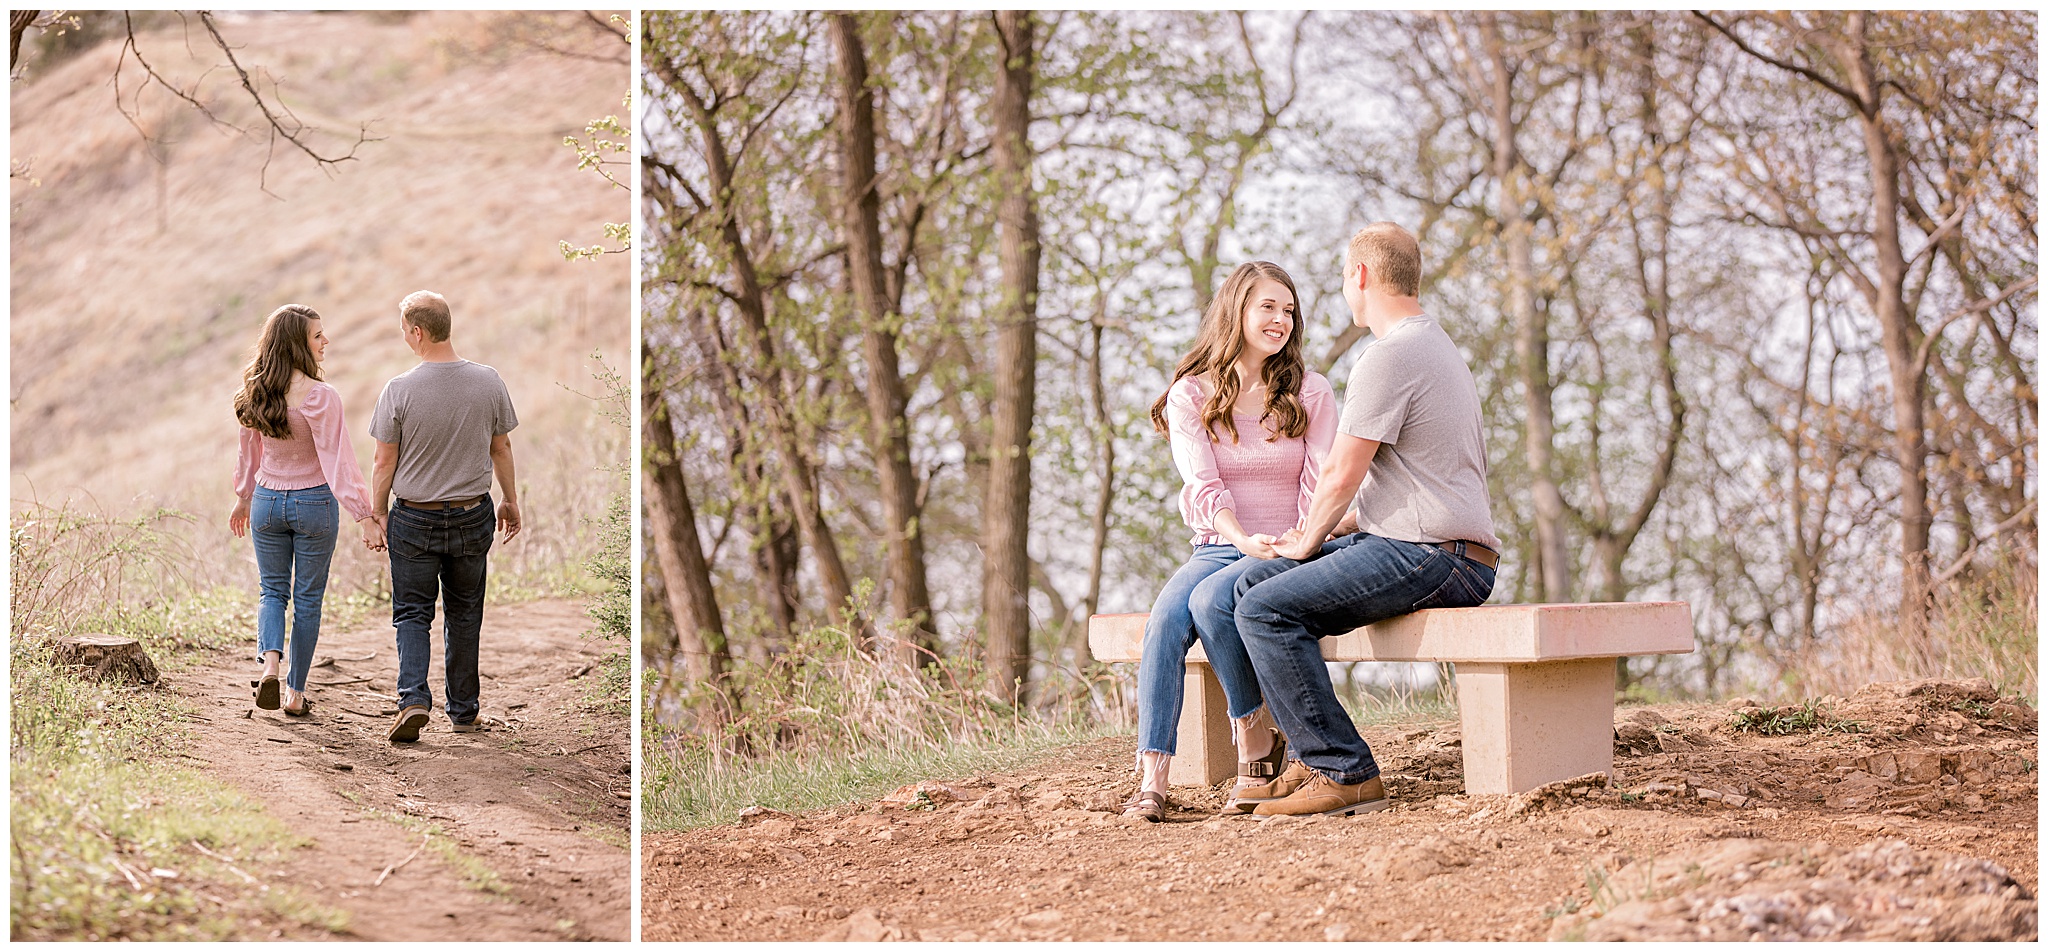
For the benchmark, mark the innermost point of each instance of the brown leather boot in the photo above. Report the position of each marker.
(1323, 796)
(1290, 780)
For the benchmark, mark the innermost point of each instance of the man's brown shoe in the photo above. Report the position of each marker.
(1290, 780)
(1323, 796)
(410, 720)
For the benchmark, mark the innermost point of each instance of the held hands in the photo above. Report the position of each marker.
(1258, 546)
(373, 532)
(1294, 545)
(508, 519)
(238, 519)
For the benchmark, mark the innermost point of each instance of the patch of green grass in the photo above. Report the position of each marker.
(679, 793)
(110, 840)
(1807, 718)
(474, 872)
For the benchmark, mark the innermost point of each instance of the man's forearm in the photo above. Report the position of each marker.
(501, 465)
(380, 489)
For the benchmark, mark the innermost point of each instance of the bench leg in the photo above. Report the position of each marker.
(1204, 754)
(1526, 725)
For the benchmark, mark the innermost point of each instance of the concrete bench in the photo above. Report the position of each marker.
(1535, 683)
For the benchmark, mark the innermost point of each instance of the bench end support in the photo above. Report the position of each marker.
(1526, 725)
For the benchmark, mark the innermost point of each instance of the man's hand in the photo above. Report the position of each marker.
(238, 520)
(373, 532)
(1297, 545)
(1345, 526)
(508, 519)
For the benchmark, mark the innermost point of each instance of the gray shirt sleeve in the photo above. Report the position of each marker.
(505, 420)
(384, 419)
(1376, 398)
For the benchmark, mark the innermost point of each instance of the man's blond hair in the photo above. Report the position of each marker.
(1390, 254)
(428, 312)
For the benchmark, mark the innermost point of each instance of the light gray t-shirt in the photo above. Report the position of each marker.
(1412, 392)
(442, 416)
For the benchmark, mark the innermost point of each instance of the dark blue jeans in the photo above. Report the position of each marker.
(1285, 609)
(294, 531)
(439, 551)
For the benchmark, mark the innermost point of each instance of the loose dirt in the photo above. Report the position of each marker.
(525, 824)
(1916, 818)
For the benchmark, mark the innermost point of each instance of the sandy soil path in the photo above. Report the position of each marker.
(526, 824)
(1920, 825)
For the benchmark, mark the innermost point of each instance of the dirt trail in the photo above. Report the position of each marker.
(539, 802)
(1922, 825)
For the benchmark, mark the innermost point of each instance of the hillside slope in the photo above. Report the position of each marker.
(137, 288)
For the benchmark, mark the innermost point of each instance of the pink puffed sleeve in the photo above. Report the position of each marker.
(1321, 403)
(247, 460)
(1202, 494)
(322, 411)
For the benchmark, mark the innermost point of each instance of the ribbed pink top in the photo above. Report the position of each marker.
(318, 453)
(1266, 485)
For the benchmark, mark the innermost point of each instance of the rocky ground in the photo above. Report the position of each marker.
(1908, 811)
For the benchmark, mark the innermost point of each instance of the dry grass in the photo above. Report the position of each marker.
(1984, 626)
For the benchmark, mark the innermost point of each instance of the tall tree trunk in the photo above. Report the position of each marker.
(1899, 331)
(1105, 491)
(889, 432)
(1532, 332)
(693, 604)
(1006, 511)
(750, 299)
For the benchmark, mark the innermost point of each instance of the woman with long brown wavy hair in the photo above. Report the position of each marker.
(296, 465)
(1249, 425)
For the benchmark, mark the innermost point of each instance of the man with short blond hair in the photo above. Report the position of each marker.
(443, 429)
(1410, 457)
(428, 312)
(1391, 253)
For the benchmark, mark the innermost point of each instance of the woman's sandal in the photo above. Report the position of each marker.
(1258, 774)
(305, 707)
(1148, 805)
(266, 692)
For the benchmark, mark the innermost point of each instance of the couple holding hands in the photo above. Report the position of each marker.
(1310, 521)
(442, 431)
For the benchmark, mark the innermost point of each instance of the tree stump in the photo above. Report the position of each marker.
(106, 657)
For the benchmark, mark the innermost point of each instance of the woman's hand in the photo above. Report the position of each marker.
(1345, 526)
(238, 520)
(1258, 546)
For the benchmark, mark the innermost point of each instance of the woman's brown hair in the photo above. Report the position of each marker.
(282, 349)
(1215, 354)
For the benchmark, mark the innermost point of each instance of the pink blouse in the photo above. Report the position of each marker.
(1266, 485)
(319, 452)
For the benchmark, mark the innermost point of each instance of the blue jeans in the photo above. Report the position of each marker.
(1174, 625)
(294, 533)
(439, 551)
(1285, 609)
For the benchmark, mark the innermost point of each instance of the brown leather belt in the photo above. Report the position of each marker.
(1474, 551)
(444, 504)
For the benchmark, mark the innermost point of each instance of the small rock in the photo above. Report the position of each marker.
(1044, 919)
(1737, 704)
(1337, 933)
(753, 815)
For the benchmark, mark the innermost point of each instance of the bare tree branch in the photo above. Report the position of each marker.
(280, 121)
